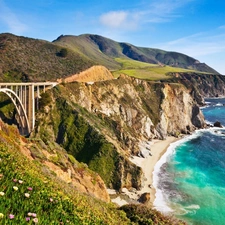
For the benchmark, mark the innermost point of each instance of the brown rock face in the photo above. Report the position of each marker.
(179, 114)
(145, 197)
(93, 74)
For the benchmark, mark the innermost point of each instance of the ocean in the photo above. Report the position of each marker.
(190, 176)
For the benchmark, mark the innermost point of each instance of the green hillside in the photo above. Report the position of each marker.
(104, 50)
(148, 71)
(30, 193)
(27, 59)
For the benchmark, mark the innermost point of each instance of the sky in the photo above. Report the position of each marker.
(192, 27)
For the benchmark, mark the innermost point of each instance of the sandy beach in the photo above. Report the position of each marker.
(157, 149)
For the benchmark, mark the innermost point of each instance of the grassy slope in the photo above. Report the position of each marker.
(27, 59)
(104, 50)
(52, 200)
(28, 192)
(84, 45)
(148, 71)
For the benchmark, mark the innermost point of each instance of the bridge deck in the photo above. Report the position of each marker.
(30, 83)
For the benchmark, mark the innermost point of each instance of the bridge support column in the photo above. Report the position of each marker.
(31, 107)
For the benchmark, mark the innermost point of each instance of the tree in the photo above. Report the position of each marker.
(63, 52)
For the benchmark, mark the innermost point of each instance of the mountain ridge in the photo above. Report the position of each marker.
(28, 59)
(115, 49)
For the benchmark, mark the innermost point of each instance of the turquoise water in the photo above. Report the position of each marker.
(192, 174)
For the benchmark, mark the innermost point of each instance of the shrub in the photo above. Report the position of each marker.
(44, 100)
(63, 52)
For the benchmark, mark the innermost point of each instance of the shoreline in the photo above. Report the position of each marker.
(157, 149)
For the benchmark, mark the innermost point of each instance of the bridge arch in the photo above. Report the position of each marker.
(24, 96)
(23, 119)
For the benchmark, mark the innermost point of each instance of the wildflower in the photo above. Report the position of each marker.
(20, 181)
(1, 215)
(29, 214)
(2, 193)
(34, 214)
(27, 195)
(35, 220)
(15, 188)
(29, 188)
(51, 199)
(27, 218)
(15, 180)
(11, 216)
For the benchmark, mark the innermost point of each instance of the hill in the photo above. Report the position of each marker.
(103, 50)
(26, 59)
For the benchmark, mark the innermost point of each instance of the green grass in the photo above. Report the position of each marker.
(131, 64)
(28, 194)
(148, 71)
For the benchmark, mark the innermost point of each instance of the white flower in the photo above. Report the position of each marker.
(2, 193)
(1, 215)
(20, 181)
(27, 195)
(15, 188)
(29, 214)
(35, 220)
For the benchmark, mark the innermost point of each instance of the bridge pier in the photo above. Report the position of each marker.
(23, 97)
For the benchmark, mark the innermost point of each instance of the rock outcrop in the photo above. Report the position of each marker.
(179, 113)
(202, 85)
(93, 74)
(103, 123)
(145, 198)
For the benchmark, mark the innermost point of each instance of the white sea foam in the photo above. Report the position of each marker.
(193, 207)
(160, 202)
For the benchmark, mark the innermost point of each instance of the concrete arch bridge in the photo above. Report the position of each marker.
(25, 97)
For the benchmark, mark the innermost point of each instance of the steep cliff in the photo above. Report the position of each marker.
(102, 124)
(202, 85)
(180, 113)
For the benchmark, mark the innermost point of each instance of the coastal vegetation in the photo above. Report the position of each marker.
(31, 194)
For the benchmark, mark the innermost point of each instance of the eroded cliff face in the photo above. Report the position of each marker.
(142, 110)
(179, 114)
(202, 85)
(102, 124)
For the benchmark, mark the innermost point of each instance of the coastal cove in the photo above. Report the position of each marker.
(189, 177)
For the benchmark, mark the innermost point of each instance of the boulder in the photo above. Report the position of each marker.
(217, 124)
(145, 197)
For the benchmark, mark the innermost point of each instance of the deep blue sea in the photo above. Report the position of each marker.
(190, 177)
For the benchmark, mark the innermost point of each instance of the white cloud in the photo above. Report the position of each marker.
(114, 18)
(155, 12)
(11, 20)
(222, 27)
(119, 19)
(196, 45)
